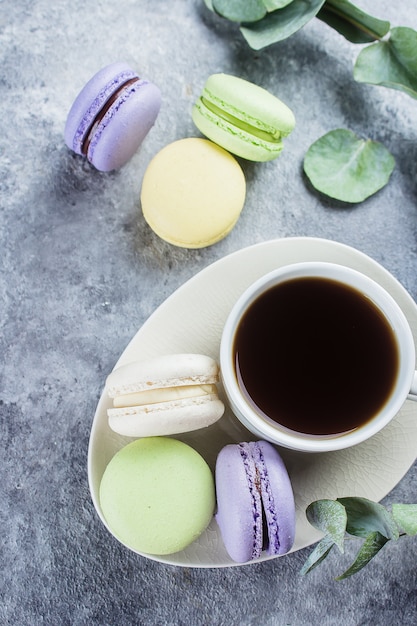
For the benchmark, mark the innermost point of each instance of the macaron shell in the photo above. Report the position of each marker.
(168, 370)
(166, 418)
(157, 495)
(193, 192)
(125, 126)
(277, 497)
(238, 142)
(163, 394)
(250, 103)
(239, 513)
(91, 99)
(242, 117)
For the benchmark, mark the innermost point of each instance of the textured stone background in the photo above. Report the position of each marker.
(81, 272)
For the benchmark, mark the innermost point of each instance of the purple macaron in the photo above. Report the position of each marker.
(255, 501)
(111, 116)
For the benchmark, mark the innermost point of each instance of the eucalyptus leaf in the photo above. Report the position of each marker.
(406, 517)
(272, 5)
(330, 517)
(281, 24)
(370, 547)
(345, 167)
(240, 10)
(391, 63)
(318, 555)
(355, 25)
(365, 516)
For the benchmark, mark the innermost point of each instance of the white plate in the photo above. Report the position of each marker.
(191, 320)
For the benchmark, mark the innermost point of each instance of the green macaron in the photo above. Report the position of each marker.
(242, 117)
(157, 495)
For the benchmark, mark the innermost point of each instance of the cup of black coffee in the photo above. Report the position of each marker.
(317, 357)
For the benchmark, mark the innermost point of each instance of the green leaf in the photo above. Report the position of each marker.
(245, 10)
(370, 547)
(355, 25)
(318, 555)
(330, 517)
(272, 5)
(346, 167)
(240, 10)
(391, 63)
(365, 516)
(281, 24)
(406, 517)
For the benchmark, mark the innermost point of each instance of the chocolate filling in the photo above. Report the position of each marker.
(101, 114)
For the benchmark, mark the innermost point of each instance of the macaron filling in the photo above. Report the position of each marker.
(168, 394)
(251, 127)
(99, 107)
(271, 540)
(164, 395)
(255, 493)
(103, 112)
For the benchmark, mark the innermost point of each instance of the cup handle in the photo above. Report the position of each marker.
(413, 391)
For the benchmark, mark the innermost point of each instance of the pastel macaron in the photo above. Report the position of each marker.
(111, 116)
(255, 501)
(157, 495)
(242, 117)
(164, 395)
(193, 192)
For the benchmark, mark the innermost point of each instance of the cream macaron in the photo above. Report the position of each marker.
(165, 395)
(193, 192)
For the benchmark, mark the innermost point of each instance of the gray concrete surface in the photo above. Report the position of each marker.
(81, 272)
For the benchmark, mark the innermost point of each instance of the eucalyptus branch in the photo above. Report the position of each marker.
(390, 61)
(345, 518)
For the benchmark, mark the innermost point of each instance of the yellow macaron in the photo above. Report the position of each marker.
(193, 192)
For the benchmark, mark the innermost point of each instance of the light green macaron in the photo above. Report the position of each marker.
(157, 495)
(242, 117)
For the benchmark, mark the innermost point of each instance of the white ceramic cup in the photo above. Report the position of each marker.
(405, 385)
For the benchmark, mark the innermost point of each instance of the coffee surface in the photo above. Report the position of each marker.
(315, 356)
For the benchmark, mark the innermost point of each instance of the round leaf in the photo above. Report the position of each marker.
(240, 10)
(329, 516)
(280, 24)
(365, 516)
(391, 63)
(272, 5)
(406, 517)
(345, 167)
